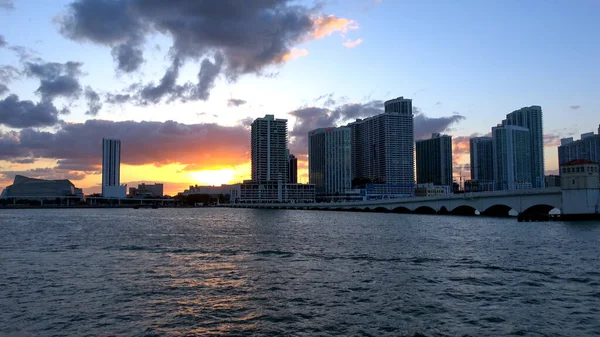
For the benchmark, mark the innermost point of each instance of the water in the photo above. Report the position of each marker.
(236, 272)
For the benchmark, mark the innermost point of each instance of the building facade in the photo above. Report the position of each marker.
(147, 190)
(531, 118)
(586, 148)
(111, 169)
(330, 160)
(512, 153)
(275, 192)
(25, 187)
(482, 159)
(293, 169)
(383, 145)
(269, 149)
(434, 160)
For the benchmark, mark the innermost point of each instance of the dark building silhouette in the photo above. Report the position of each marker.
(293, 169)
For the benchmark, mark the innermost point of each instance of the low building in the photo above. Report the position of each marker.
(274, 191)
(429, 190)
(119, 192)
(552, 180)
(580, 184)
(388, 191)
(479, 186)
(146, 190)
(25, 187)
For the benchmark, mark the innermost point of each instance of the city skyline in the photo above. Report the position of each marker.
(482, 71)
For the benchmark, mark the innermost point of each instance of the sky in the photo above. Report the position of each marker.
(180, 82)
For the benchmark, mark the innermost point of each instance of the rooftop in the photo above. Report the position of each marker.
(579, 162)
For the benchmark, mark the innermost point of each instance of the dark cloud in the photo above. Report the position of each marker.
(56, 79)
(235, 102)
(240, 39)
(23, 161)
(575, 107)
(93, 101)
(2, 41)
(129, 57)
(167, 87)
(118, 98)
(49, 173)
(246, 122)
(425, 126)
(23, 114)
(3, 89)
(78, 146)
(7, 4)
(25, 54)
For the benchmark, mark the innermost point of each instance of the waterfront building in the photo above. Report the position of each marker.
(25, 187)
(434, 160)
(482, 159)
(531, 118)
(587, 148)
(383, 146)
(512, 152)
(293, 169)
(146, 190)
(580, 182)
(111, 169)
(274, 192)
(329, 160)
(269, 149)
(428, 190)
(552, 180)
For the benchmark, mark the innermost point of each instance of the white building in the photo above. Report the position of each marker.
(580, 183)
(531, 118)
(588, 148)
(329, 160)
(111, 169)
(383, 146)
(270, 155)
(512, 154)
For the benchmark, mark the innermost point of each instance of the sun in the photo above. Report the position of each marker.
(213, 177)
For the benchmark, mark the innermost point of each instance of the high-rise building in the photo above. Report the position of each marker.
(293, 169)
(512, 153)
(531, 118)
(111, 169)
(269, 149)
(482, 159)
(586, 148)
(330, 160)
(383, 145)
(434, 160)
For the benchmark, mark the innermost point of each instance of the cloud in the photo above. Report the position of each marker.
(78, 146)
(3, 89)
(574, 107)
(49, 173)
(461, 145)
(351, 44)
(93, 101)
(56, 79)
(425, 126)
(23, 161)
(552, 140)
(15, 113)
(294, 54)
(325, 26)
(227, 38)
(7, 4)
(235, 102)
(2, 41)
(9, 73)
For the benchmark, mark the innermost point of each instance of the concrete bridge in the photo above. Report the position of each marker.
(496, 203)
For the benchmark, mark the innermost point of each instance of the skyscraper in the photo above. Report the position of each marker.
(111, 169)
(293, 169)
(383, 145)
(531, 118)
(512, 153)
(269, 149)
(482, 159)
(434, 160)
(329, 160)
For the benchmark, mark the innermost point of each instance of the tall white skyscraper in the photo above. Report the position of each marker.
(383, 145)
(512, 153)
(111, 169)
(329, 160)
(270, 155)
(531, 118)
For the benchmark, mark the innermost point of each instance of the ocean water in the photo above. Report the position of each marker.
(245, 272)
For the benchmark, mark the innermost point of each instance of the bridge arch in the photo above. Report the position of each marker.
(401, 209)
(539, 209)
(464, 210)
(425, 210)
(497, 210)
(381, 209)
(443, 210)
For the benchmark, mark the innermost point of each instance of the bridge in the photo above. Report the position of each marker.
(496, 203)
